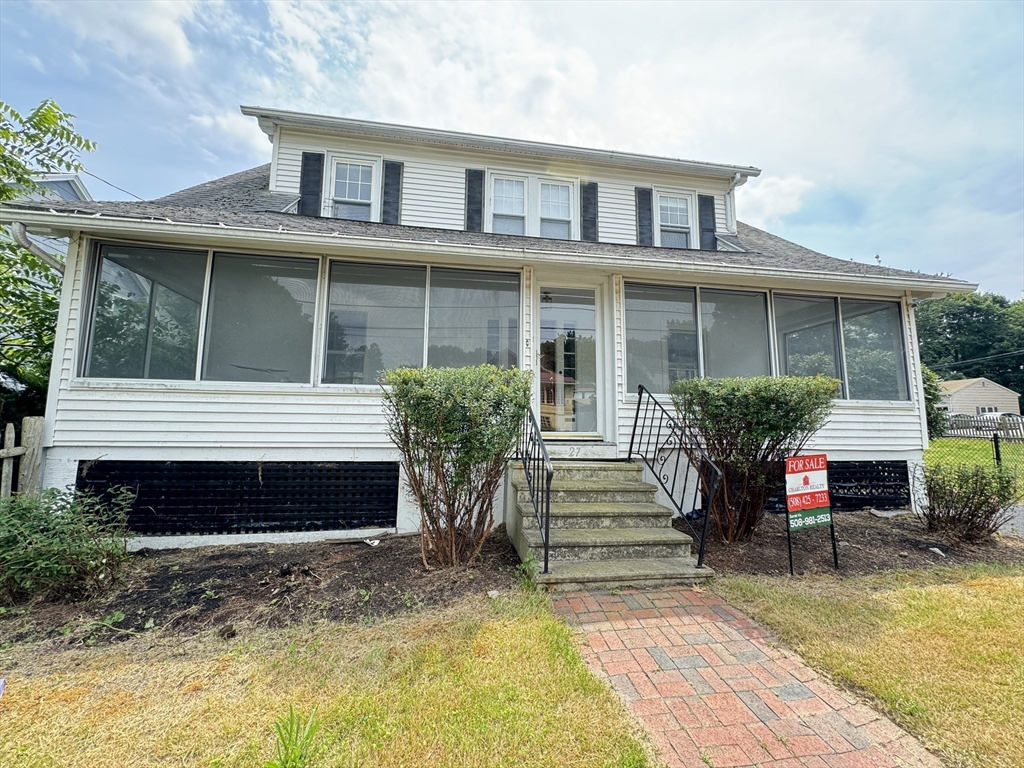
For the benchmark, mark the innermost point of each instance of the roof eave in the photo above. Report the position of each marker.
(269, 119)
(64, 224)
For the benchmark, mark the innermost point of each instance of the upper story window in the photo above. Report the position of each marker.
(354, 188)
(675, 212)
(555, 211)
(509, 207)
(531, 205)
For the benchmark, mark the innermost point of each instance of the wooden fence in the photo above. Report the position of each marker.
(960, 425)
(29, 455)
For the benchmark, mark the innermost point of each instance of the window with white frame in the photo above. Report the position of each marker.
(555, 211)
(508, 206)
(532, 205)
(675, 211)
(353, 188)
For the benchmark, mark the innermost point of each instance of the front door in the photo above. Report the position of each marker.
(569, 392)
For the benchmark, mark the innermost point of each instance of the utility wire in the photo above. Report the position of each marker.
(119, 189)
(977, 359)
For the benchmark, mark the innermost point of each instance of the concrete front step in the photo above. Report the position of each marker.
(592, 470)
(609, 544)
(600, 515)
(568, 491)
(609, 574)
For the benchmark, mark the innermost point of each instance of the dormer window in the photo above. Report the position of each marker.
(509, 207)
(674, 211)
(354, 188)
(555, 211)
(531, 205)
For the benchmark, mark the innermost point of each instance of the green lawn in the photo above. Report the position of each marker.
(939, 650)
(483, 683)
(975, 451)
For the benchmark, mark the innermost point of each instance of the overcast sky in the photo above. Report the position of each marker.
(894, 129)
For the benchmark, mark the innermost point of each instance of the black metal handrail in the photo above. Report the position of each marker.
(658, 437)
(538, 471)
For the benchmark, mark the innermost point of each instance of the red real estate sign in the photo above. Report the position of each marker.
(807, 482)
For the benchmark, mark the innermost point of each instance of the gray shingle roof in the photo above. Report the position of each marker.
(243, 200)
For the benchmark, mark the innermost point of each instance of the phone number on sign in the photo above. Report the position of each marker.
(804, 522)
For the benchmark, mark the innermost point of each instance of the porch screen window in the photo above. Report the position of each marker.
(474, 318)
(735, 333)
(259, 324)
(145, 321)
(353, 186)
(374, 322)
(875, 363)
(509, 216)
(806, 331)
(661, 336)
(555, 213)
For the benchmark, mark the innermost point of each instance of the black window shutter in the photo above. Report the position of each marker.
(706, 208)
(311, 183)
(644, 216)
(391, 203)
(588, 212)
(474, 200)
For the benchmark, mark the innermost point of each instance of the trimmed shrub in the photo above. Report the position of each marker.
(748, 427)
(62, 542)
(938, 420)
(457, 428)
(968, 503)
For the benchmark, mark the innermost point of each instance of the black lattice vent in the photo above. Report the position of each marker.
(206, 497)
(854, 485)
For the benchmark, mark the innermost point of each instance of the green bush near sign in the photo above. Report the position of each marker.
(748, 426)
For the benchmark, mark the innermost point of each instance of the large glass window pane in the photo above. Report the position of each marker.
(556, 230)
(259, 325)
(661, 336)
(474, 318)
(671, 238)
(145, 322)
(374, 321)
(872, 337)
(805, 329)
(735, 333)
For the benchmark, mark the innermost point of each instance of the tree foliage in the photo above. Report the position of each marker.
(955, 332)
(457, 428)
(937, 419)
(42, 141)
(748, 426)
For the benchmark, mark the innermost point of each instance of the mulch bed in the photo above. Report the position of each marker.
(867, 544)
(186, 591)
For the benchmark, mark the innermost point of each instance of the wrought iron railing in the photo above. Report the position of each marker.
(674, 454)
(537, 468)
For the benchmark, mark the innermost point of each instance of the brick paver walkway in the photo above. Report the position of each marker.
(713, 690)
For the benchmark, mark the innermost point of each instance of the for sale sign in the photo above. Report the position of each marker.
(807, 499)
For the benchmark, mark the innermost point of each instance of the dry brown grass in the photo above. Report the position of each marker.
(478, 684)
(940, 650)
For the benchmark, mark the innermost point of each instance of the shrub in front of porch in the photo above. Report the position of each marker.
(457, 428)
(748, 426)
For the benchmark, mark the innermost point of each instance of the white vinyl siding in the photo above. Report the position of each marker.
(616, 213)
(433, 195)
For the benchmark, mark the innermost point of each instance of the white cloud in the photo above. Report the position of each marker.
(147, 31)
(763, 201)
(236, 130)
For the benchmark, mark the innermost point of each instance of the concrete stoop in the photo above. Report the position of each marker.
(607, 531)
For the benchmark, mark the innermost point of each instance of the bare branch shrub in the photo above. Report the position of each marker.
(457, 428)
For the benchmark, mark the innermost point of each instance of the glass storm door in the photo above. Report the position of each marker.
(568, 361)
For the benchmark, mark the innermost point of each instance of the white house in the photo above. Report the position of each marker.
(977, 396)
(225, 339)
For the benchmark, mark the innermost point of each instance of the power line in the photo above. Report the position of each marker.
(119, 189)
(976, 359)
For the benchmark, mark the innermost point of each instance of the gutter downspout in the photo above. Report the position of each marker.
(20, 234)
(737, 180)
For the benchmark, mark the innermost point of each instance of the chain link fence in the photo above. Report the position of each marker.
(983, 451)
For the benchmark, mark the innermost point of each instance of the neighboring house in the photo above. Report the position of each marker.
(225, 339)
(56, 186)
(977, 396)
